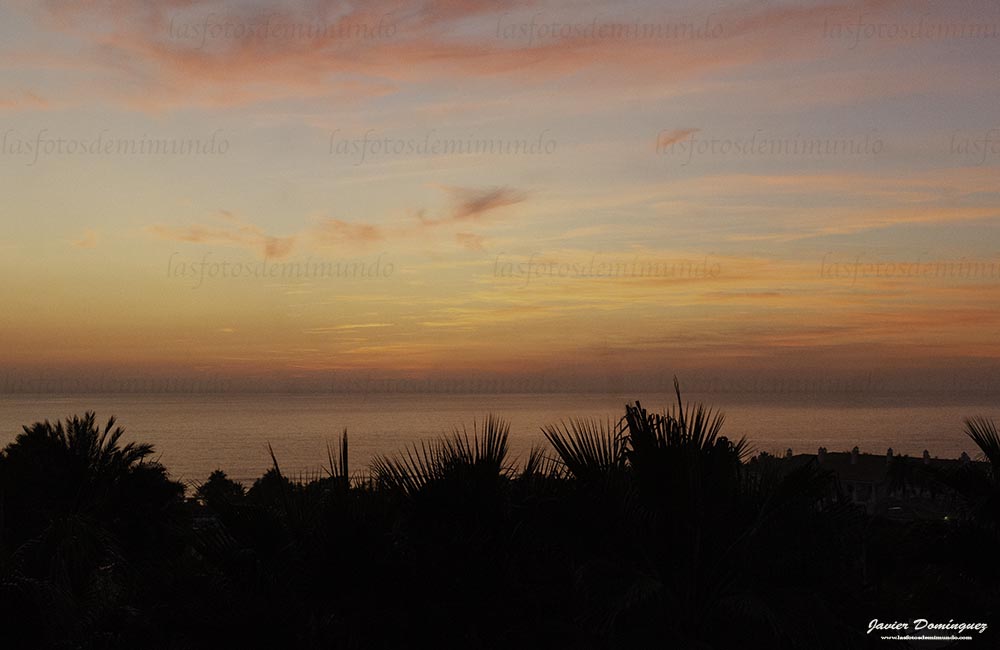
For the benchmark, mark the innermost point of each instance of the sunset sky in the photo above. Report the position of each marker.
(550, 189)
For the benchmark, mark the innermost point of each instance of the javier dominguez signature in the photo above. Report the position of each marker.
(923, 624)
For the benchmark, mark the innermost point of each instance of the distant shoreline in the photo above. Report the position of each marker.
(802, 399)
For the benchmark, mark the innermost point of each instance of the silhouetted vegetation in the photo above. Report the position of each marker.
(652, 531)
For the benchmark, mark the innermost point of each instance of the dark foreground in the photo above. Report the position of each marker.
(655, 532)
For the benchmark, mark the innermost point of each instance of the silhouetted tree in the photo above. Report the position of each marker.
(653, 530)
(88, 525)
(220, 490)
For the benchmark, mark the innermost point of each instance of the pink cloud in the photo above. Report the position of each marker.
(473, 203)
(190, 53)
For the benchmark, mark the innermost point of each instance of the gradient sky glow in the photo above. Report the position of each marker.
(667, 142)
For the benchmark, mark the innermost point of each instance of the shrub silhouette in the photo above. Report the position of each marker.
(219, 490)
(653, 530)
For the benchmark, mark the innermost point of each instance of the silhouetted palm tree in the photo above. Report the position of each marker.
(454, 458)
(655, 530)
(707, 551)
(588, 449)
(983, 432)
(978, 484)
(86, 521)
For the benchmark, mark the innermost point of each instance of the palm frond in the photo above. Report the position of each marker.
(540, 465)
(487, 447)
(696, 427)
(486, 451)
(338, 466)
(410, 471)
(983, 432)
(588, 448)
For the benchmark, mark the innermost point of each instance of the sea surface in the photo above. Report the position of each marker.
(196, 434)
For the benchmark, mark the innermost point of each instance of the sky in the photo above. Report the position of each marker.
(577, 193)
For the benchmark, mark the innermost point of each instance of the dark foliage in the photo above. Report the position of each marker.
(653, 531)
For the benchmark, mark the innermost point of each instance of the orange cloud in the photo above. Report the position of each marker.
(88, 240)
(241, 234)
(26, 101)
(470, 241)
(469, 205)
(278, 247)
(336, 231)
(667, 138)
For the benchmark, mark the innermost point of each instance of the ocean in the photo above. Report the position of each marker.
(196, 434)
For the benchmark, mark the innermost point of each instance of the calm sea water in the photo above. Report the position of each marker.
(196, 434)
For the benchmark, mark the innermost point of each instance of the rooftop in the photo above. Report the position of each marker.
(856, 466)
